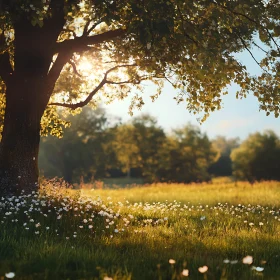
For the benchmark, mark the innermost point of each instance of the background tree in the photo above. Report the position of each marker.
(83, 151)
(223, 166)
(188, 155)
(257, 158)
(125, 148)
(190, 44)
(149, 138)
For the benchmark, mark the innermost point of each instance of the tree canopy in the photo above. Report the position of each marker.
(257, 158)
(191, 44)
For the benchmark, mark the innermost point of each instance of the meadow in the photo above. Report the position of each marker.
(159, 231)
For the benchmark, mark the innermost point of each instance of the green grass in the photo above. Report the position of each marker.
(195, 225)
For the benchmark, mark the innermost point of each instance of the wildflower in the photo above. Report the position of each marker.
(85, 221)
(116, 230)
(90, 226)
(248, 260)
(171, 261)
(185, 272)
(59, 217)
(37, 232)
(251, 224)
(259, 269)
(226, 261)
(10, 275)
(260, 223)
(202, 218)
(203, 269)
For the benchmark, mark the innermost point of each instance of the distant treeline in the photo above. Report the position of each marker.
(96, 147)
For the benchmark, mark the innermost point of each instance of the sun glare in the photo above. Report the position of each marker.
(85, 66)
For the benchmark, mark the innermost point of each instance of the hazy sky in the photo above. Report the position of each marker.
(237, 118)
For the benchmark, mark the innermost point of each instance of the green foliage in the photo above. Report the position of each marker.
(82, 152)
(190, 44)
(188, 155)
(257, 158)
(94, 148)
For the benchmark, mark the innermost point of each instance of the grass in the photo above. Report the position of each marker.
(138, 233)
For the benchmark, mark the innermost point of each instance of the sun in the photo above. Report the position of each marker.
(85, 66)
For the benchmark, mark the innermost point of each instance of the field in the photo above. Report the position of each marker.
(164, 231)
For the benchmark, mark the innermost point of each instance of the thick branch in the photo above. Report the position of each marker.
(91, 94)
(56, 69)
(80, 44)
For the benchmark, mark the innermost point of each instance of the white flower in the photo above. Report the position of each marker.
(171, 261)
(203, 269)
(10, 275)
(202, 218)
(149, 45)
(185, 272)
(259, 269)
(248, 260)
(90, 226)
(85, 221)
(116, 230)
(226, 261)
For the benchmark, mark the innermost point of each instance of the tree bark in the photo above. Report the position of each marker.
(21, 136)
(28, 89)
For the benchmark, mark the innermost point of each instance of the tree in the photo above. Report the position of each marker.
(187, 156)
(187, 43)
(223, 166)
(125, 148)
(257, 158)
(150, 139)
(83, 151)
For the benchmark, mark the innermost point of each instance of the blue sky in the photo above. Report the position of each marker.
(237, 118)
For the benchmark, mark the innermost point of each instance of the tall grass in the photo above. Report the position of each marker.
(162, 231)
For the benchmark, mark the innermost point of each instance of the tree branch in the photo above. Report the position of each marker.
(55, 71)
(81, 44)
(246, 47)
(91, 94)
(252, 20)
(72, 63)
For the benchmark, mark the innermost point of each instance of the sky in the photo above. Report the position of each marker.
(237, 118)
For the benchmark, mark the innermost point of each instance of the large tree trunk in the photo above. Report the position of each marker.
(20, 138)
(28, 89)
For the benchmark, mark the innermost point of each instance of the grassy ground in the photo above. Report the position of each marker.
(147, 232)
